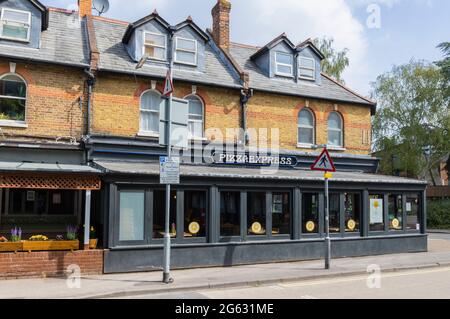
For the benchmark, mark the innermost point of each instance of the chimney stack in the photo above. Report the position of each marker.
(221, 24)
(85, 8)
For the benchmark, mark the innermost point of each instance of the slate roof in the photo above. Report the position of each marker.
(64, 42)
(259, 81)
(46, 167)
(114, 57)
(204, 171)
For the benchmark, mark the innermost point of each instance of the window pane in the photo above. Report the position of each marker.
(256, 213)
(376, 212)
(307, 63)
(334, 138)
(61, 202)
(195, 107)
(412, 212)
(186, 57)
(150, 101)
(15, 31)
(395, 212)
(306, 136)
(284, 69)
(156, 53)
(352, 207)
(335, 121)
(159, 214)
(16, 16)
(13, 86)
(194, 214)
(195, 129)
(284, 58)
(155, 39)
(281, 214)
(12, 109)
(149, 122)
(189, 45)
(307, 73)
(230, 214)
(131, 216)
(310, 213)
(305, 118)
(335, 208)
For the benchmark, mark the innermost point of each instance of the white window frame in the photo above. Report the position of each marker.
(313, 127)
(141, 110)
(336, 147)
(192, 137)
(184, 50)
(155, 45)
(300, 67)
(284, 64)
(2, 22)
(15, 123)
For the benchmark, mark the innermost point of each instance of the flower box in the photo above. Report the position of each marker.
(51, 245)
(11, 247)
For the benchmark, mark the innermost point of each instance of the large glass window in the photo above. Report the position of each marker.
(335, 208)
(335, 130)
(281, 214)
(230, 214)
(352, 207)
(412, 212)
(307, 68)
(132, 216)
(159, 214)
(194, 214)
(310, 213)
(395, 212)
(195, 117)
(41, 202)
(13, 96)
(306, 127)
(283, 62)
(150, 104)
(155, 46)
(376, 212)
(186, 51)
(256, 213)
(15, 24)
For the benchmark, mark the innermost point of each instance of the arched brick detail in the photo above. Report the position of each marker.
(20, 70)
(142, 88)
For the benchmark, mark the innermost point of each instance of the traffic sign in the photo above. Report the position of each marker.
(324, 163)
(169, 169)
(168, 85)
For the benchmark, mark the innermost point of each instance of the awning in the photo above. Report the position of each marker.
(48, 176)
(234, 172)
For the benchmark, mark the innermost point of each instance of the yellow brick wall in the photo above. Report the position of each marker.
(52, 107)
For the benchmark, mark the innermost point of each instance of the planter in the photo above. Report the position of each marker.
(93, 243)
(51, 245)
(11, 247)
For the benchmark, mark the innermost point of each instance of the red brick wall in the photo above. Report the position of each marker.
(49, 264)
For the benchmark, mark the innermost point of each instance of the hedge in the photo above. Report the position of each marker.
(438, 212)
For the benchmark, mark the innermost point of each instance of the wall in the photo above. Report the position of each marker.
(53, 108)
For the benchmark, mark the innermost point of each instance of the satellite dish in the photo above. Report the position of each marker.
(101, 6)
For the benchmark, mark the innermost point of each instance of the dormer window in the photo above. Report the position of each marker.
(185, 51)
(155, 46)
(307, 68)
(15, 25)
(283, 64)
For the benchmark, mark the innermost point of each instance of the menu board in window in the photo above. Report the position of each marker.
(376, 211)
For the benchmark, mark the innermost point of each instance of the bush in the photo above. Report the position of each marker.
(438, 212)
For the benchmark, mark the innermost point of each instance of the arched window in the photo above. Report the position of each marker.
(13, 98)
(306, 127)
(195, 117)
(150, 103)
(335, 130)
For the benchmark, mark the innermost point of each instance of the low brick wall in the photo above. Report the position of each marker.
(49, 264)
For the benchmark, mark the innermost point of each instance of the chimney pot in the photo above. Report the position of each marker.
(221, 23)
(85, 8)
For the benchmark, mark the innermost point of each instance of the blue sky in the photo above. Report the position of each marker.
(408, 29)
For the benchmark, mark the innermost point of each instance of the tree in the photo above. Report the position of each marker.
(335, 62)
(413, 116)
(444, 65)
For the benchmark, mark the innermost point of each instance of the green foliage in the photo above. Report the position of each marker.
(438, 213)
(335, 62)
(444, 65)
(413, 114)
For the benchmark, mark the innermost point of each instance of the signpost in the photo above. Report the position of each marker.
(324, 163)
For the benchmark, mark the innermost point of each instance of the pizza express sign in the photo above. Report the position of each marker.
(255, 160)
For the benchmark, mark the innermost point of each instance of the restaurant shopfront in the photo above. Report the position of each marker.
(233, 214)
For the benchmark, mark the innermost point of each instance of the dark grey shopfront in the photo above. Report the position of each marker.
(229, 215)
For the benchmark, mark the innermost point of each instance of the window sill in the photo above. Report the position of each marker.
(336, 148)
(17, 124)
(15, 39)
(309, 146)
(282, 75)
(147, 134)
(197, 139)
(307, 79)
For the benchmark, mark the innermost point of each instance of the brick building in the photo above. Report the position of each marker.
(99, 94)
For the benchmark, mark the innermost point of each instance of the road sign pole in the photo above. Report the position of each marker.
(327, 226)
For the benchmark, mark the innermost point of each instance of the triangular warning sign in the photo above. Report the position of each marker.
(324, 163)
(168, 85)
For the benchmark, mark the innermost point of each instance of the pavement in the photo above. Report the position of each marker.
(139, 284)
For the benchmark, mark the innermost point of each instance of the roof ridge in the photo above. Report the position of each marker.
(110, 20)
(348, 89)
(55, 9)
(242, 45)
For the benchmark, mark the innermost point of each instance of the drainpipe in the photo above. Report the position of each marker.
(246, 95)
(90, 83)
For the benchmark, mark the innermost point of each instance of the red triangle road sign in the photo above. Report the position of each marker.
(324, 163)
(168, 85)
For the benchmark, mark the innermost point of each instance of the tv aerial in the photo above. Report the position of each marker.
(101, 6)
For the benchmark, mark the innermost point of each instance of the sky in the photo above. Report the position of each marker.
(378, 33)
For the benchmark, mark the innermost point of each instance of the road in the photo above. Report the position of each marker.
(433, 283)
